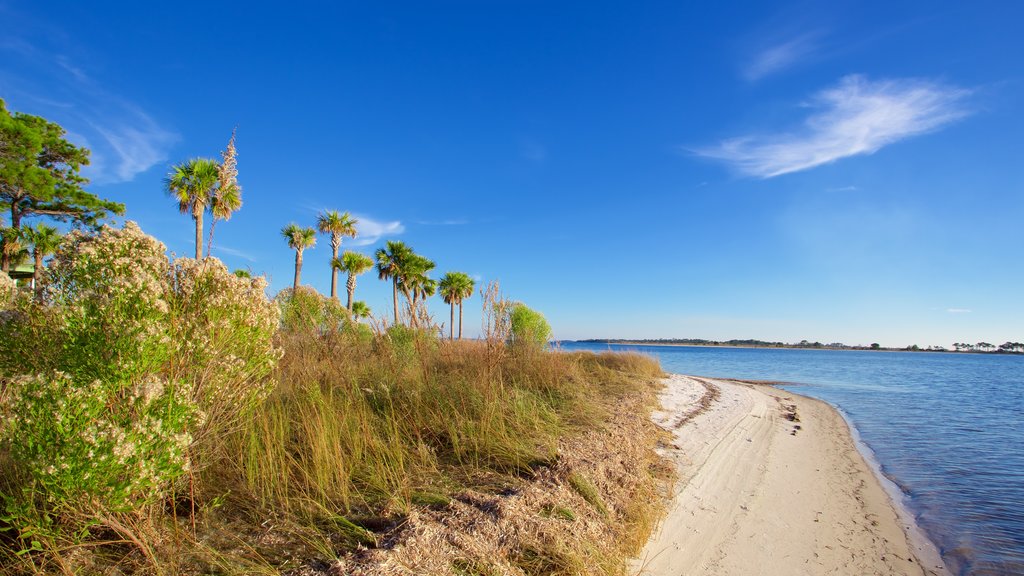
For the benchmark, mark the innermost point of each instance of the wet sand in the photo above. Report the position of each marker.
(771, 482)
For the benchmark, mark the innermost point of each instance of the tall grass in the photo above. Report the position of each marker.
(362, 423)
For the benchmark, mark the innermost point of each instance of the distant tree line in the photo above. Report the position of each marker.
(1007, 347)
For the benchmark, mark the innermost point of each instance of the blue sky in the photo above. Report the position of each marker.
(835, 171)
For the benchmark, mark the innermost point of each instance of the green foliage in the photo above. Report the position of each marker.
(455, 287)
(337, 225)
(7, 291)
(299, 238)
(39, 173)
(222, 328)
(108, 380)
(528, 327)
(306, 310)
(586, 489)
(104, 446)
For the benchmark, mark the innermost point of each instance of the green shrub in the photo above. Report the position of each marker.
(306, 309)
(529, 327)
(222, 328)
(7, 290)
(106, 384)
(102, 446)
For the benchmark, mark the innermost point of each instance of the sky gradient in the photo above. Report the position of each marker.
(834, 171)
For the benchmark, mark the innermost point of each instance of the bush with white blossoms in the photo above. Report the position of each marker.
(95, 445)
(111, 289)
(222, 338)
(130, 359)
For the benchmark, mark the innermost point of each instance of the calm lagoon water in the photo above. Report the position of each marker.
(947, 429)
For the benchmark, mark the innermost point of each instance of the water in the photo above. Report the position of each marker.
(947, 429)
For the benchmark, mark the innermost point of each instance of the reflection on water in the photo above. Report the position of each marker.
(946, 428)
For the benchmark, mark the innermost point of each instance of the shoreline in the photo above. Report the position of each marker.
(821, 349)
(774, 482)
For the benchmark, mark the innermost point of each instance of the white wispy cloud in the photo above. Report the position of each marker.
(233, 252)
(370, 230)
(842, 189)
(124, 140)
(780, 56)
(958, 310)
(857, 116)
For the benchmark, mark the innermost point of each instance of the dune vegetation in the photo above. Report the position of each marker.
(165, 416)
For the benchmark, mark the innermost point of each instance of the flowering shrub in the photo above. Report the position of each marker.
(223, 337)
(130, 359)
(113, 447)
(111, 291)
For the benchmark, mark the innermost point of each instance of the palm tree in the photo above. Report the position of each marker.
(192, 184)
(391, 262)
(355, 264)
(45, 240)
(338, 226)
(12, 249)
(447, 290)
(416, 285)
(298, 239)
(456, 287)
(227, 199)
(360, 310)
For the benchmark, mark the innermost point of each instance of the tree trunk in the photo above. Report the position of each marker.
(410, 299)
(451, 322)
(199, 234)
(37, 274)
(394, 295)
(351, 285)
(460, 319)
(334, 274)
(5, 258)
(298, 271)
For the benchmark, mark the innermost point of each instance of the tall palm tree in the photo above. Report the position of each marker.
(227, 198)
(45, 240)
(416, 285)
(298, 239)
(192, 184)
(456, 287)
(338, 226)
(391, 263)
(360, 310)
(354, 264)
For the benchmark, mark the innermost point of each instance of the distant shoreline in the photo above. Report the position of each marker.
(780, 346)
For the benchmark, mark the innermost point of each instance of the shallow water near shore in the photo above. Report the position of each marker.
(947, 429)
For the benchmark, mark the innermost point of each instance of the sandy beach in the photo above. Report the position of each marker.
(771, 482)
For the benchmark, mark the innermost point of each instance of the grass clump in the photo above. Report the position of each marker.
(586, 489)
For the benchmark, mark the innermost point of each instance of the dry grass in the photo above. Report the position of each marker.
(404, 454)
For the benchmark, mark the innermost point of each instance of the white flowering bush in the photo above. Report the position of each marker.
(223, 338)
(132, 359)
(111, 290)
(95, 445)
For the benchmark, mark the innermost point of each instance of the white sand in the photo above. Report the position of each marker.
(752, 498)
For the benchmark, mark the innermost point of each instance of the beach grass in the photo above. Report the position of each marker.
(362, 432)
